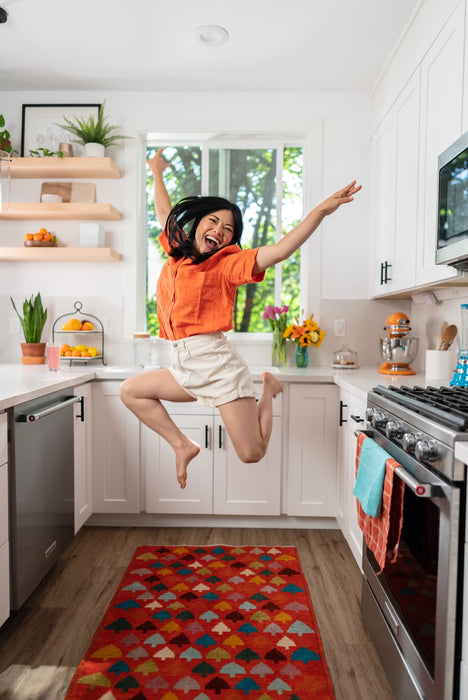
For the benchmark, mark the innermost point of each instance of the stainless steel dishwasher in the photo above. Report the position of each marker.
(41, 467)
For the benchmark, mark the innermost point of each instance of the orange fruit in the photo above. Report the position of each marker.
(85, 354)
(68, 353)
(72, 325)
(87, 326)
(29, 237)
(76, 353)
(37, 237)
(43, 230)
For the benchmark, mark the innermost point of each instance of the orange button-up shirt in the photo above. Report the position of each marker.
(200, 298)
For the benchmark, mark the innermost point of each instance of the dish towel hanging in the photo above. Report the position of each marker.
(370, 477)
(382, 533)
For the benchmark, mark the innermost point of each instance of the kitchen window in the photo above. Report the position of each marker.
(265, 179)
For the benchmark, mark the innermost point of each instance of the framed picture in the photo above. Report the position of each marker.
(39, 126)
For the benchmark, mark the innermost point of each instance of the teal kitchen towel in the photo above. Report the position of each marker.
(370, 477)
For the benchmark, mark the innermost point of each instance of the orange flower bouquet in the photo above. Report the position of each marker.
(304, 335)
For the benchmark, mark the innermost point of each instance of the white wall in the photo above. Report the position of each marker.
(108, 290)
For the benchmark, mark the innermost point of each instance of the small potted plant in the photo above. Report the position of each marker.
(32, 323)
(5, 143)
(94, 134)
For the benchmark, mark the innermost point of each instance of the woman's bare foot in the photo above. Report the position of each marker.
(271, 385)
(184, 455)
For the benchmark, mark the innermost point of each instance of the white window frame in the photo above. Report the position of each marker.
(241, 140)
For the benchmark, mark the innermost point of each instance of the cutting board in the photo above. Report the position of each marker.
(71, 191)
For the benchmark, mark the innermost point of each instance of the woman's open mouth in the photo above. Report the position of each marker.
(211, 242)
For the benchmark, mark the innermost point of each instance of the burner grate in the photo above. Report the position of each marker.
(448, 405)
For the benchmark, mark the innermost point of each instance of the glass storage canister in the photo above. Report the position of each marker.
(142, 349)
(345, 358)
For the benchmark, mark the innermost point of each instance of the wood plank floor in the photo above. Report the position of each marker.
(41, 644)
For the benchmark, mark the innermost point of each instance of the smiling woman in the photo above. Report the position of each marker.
(265, 183)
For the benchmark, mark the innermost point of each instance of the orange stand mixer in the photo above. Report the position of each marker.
(398, 349)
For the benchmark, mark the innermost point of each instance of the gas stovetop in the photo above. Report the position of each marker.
(446, 405)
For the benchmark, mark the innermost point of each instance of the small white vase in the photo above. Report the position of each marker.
(94, 150)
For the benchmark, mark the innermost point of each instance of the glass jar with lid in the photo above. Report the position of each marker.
(142, 349)
(345, 358)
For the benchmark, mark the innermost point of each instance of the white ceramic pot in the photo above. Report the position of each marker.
(94, 150)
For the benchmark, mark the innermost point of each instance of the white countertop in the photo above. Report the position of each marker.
(20, 383)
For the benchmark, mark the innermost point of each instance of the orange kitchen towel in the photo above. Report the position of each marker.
(382, 534)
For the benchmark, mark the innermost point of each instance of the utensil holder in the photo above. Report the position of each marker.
(439, 365)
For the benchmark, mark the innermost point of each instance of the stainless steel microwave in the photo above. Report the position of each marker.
(452, 225)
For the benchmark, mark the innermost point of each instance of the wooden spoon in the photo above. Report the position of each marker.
(448, 337)
(443, 326)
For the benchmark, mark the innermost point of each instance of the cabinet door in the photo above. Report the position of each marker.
(395, 154)
(246, 489)
(311, 468)
(383, 206)
(441, 122)
(163, 493)
(116, 452)
(4, 582)
(83, 450)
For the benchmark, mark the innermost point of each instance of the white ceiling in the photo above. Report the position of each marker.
(151, 44)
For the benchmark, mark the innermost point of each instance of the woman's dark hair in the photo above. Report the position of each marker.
(189, 211)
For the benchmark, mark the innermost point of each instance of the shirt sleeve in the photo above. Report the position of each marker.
(239, 265)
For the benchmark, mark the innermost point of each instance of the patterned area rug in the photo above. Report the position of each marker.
(195, 623)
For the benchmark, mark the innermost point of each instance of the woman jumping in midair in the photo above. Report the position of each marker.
(195, 299)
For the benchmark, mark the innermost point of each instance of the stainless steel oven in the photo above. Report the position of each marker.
(412, 609)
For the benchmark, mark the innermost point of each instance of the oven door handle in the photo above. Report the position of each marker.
(419, 489)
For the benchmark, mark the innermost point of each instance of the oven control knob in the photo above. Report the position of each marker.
(393, 429)
(424, 450)
(379, 419)
(369, 413)
(409, 442)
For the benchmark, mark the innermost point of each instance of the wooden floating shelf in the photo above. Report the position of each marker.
(94, 211)
(58, 254)
(63, 167)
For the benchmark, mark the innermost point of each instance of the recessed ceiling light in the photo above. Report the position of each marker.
(211, 35)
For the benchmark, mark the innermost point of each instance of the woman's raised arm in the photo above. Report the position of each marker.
(269, 255)
(162, 202)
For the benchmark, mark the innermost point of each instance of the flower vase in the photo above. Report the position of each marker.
(302, 356)
(279, 349)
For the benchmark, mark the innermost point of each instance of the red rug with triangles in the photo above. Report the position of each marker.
(195, 623)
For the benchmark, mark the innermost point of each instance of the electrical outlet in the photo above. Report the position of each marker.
(340, 327)
(14, 324)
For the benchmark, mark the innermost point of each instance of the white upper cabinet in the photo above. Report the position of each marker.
(395, 178)
(442, 72)
(424, 119)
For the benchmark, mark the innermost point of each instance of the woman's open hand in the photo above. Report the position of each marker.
(158, 164)
(331, 204)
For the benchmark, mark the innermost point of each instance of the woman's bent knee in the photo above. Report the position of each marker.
(125, 391)
(250, 455)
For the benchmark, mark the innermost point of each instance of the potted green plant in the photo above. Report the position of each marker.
(93, 132)
(5, 143)
(32, 323)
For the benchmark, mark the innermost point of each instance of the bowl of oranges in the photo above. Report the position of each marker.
(42, 238)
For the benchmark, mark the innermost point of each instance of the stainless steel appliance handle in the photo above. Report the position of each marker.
(32, 417)
(418, 488)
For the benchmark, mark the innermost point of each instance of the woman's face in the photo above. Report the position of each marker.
(214, 231)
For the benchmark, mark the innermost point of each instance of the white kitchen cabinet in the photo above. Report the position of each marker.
(116, 452)
(246, 489)
(4, 529)
(442, 72)
(163, 493)
(218, 482)
(352, 410)
(312, 450)
(395, 180)
(83, 451)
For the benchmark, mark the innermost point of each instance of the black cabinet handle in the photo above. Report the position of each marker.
(207, 436)
(384, 276)
(220, 437)
(357, 419)
(342, 420)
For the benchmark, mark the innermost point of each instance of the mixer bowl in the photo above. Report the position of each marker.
(399, 351)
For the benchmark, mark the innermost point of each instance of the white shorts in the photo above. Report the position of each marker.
(210, 369)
